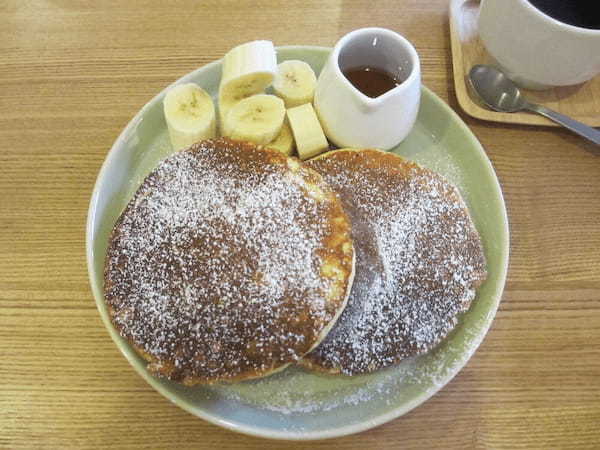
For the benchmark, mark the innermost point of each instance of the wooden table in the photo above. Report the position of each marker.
(73, 73)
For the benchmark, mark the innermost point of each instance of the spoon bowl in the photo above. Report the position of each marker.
(496, 90)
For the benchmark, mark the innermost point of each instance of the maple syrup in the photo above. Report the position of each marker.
(371, 81)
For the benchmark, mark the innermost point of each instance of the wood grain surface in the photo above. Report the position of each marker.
(73, 73)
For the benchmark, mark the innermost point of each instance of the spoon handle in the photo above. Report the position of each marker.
(573, 125)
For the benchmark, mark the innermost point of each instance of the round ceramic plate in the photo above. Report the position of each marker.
(297, 404)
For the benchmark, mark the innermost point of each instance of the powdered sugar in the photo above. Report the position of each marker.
(419, 260)
(213, 261)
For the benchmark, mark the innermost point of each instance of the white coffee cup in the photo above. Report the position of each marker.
(351, 118)
(535, 50)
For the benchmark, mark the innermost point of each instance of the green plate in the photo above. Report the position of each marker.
(296, 404)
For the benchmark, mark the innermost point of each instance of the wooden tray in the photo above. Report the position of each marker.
(582, 102)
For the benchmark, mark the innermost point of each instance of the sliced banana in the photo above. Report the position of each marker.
(295, 83)
(256, 119)
(284, 142)
(190, 115)
(307, 131)
(247, 70)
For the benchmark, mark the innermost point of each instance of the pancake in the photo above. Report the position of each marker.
(230, 262)
(419, 260)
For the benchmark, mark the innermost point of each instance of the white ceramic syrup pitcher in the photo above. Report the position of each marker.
(352, 119)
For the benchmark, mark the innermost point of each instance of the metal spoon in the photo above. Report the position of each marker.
(499, 93)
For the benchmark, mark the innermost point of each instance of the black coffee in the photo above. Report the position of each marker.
(580, 13)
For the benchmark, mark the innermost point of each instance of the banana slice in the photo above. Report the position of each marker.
(247, 70)
(256, 119)
(190, 115)
(307, 131)
(284, 142)
(295, 83)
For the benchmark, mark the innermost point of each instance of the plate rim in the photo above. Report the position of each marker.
(257, 430)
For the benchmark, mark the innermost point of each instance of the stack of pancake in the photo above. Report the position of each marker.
(233, 261)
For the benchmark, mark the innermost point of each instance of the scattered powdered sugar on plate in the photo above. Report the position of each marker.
(442, 162)
(296, 391)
